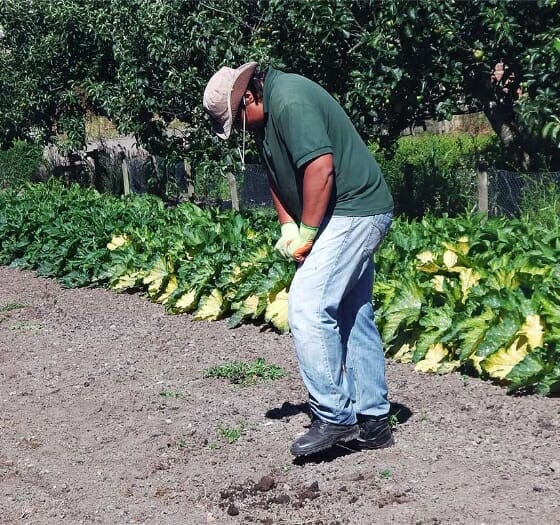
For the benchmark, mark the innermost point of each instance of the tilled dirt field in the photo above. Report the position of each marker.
(107, 418)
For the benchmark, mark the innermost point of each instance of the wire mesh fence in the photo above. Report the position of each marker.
(254, 187)
(510, 193)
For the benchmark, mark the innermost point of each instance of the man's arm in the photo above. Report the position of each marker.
(283, 215)
(317, 189)
(318, 180)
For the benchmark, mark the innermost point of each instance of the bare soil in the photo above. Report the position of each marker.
(107, 418)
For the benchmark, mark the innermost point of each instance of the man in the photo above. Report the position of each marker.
(334, 209)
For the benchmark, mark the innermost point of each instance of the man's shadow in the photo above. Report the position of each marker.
(398, 415)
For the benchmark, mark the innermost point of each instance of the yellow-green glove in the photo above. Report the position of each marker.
(300, 247)
(290, 232)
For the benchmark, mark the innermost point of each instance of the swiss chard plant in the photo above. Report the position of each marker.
(470, 294)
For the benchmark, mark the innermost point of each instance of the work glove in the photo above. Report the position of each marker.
(301, 246)
(290, 232)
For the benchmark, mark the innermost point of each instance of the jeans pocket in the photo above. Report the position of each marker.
(380, 225)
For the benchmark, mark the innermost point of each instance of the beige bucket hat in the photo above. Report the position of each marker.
(223, 95)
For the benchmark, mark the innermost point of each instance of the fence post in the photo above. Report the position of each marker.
(189, 180)
(125, 176)
(483, 191)
(233, 191)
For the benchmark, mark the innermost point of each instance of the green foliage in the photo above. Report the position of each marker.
(391, 64)
(242, 373)
(472, 294)
(172, 394)
(540, 200)
(435, 173)
(231, 434)
(8, 307)
(539, 107)
(187, 258)
(453, 294)
(19, 164)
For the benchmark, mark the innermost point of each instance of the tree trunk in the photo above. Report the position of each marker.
(515, 142)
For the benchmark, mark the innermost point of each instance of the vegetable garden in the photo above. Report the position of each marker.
(118, 411)
(472, 294)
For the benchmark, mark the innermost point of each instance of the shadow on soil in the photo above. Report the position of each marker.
(400, 413)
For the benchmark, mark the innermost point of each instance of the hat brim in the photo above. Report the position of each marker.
(238, 88)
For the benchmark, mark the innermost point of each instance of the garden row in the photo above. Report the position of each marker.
(479, 296)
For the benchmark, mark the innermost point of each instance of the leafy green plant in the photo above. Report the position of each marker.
(243, 373)
(461, 299)
(21, 325)
(231, 434)
(19, 164)
(385, 473)
(435, 174)
(169, 393)
(472, 294)
(11, 306)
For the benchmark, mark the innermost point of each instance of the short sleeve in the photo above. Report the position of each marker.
(304, 130)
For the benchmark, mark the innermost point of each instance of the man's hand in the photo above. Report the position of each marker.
(301, 246)
(290, 232)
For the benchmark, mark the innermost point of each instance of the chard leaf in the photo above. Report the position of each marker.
(248, 309)
(500, 363)
(170, 287)
(403, 310)
(500, 335)
(471, 332)
(526, 371)
(539, 371)
(210, 307)
(436, 323)
(184, 301)
(157, 276)
(435, 354)
(277, 311)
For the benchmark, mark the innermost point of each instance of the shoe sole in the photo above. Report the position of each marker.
(345, 439)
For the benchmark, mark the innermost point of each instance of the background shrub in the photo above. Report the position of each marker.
(435, 173)
(19, 164)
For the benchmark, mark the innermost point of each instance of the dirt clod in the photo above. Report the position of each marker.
(232, 510)
(265, 484)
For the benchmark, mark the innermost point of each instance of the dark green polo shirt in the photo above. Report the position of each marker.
(304, 122)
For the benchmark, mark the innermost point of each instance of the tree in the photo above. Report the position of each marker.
(398, 62)
(391, 63)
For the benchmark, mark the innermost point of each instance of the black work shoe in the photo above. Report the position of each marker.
(323, 435)
(375, 433)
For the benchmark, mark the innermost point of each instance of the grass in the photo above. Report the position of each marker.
(20, 325)
(8, 307)
(540, 201)
(231, 434)
(168, 393)
(245, 374)
(386, 473)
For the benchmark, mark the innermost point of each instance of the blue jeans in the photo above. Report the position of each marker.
(338, 346)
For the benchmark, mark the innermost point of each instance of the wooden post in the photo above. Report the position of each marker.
(233, 191)
(189, 180)
(483, 192)
(125, 176)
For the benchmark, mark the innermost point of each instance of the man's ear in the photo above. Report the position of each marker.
(248, 97)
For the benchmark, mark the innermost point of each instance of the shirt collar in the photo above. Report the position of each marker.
(271, 75)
